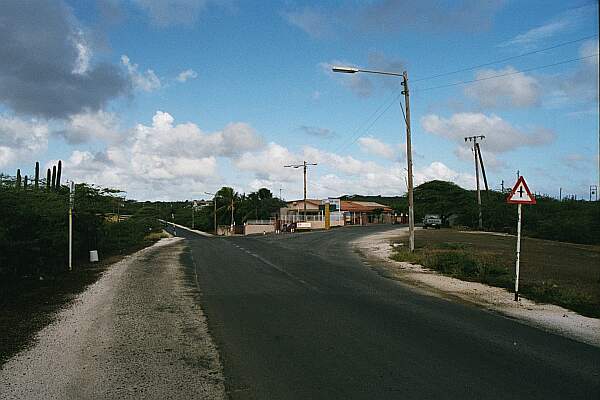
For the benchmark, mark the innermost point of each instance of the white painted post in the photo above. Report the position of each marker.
(518, 255)
(71, 201)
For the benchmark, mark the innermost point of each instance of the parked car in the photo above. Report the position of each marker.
(432, 220)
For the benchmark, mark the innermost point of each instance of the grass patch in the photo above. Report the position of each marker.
(455, 260)
(564, 274)
(154, 236)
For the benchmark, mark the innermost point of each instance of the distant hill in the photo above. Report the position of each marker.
(567, 220)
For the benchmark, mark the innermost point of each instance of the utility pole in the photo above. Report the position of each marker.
(475, 153)
(215, 210)
(405, 92)
(411, 205)
(193, 209)
(559, 194)
(502, 185)
(304, 165)
(232, 221)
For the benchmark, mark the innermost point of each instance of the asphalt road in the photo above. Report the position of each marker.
(299, 316)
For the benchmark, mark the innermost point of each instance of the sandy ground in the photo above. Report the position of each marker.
(377, 249)
(136, 333)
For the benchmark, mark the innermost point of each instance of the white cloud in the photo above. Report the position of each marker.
(86, 126)
(310, 20)
(165, 13)
(187, 74)
(317, 131)
(578, 161)
(376, 147)
(439, 171)
(21, 139)
(500, 136)
(164, 159)
(490, 160)
(336, 174)
(520, 90)
(539, 33)
(167, 160)
(84, 53)
(564, 22)
(146, 81)
(582, 84)
(268, 164)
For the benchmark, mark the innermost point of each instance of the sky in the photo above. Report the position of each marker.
(169, 99)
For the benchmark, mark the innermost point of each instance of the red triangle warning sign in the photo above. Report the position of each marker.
(520, 194)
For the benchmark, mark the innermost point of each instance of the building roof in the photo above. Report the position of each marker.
(308, 201)
(363, 206)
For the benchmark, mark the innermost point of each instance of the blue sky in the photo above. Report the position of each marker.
(169, 99)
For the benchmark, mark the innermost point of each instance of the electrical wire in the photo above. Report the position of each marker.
(365, 131)
(360, 131)
(505, 74)
(505, 59)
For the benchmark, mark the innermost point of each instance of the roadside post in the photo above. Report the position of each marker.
(71, 204)
(327, 215)
(519, 195)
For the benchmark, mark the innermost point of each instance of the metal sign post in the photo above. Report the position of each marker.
(518, 254)
(519, 195)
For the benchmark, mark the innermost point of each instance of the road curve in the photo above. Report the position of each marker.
(299, 316)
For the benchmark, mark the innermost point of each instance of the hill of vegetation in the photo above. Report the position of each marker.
(575, 221)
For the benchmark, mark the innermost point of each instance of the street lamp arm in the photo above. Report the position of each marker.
(353, 70)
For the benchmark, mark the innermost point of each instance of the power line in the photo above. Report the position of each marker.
(507, 74)
(378, 113)
(366, 121)
(505, 59)
(362, 132)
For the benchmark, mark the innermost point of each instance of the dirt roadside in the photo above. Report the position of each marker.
(377, 249)
(135, 333)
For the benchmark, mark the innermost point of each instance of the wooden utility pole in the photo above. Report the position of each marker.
(475, 153)
(411, 212)
(304, 165)
(214, 210)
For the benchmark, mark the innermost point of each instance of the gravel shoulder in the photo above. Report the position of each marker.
(136, 333)
(377, 249)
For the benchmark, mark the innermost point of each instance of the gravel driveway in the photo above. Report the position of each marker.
(136, 333)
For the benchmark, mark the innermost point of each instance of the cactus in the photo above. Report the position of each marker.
(25, 182)
(37, 175)
(48, 180)
(18, 183)
(58, 173)
(53, 185)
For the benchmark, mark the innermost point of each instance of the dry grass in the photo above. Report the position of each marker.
(553, 272)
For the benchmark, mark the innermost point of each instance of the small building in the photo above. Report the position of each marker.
(314, 216)
(366, 212)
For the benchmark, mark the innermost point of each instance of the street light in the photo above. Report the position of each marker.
(404, 75)
(215, 209)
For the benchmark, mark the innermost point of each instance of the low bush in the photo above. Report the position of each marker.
(453, 259)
